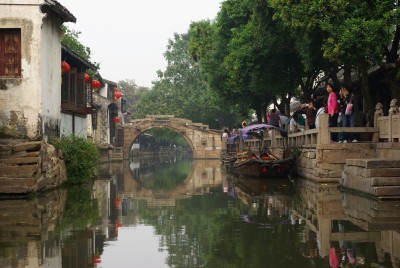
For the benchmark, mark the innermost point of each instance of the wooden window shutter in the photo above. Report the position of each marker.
(10, 52)
(80, 91)
(64, 88)
(89, 95)
(94, 119)
(72, 87)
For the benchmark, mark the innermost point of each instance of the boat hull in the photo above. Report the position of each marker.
(262, 168)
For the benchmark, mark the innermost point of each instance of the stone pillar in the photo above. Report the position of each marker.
(324, 134)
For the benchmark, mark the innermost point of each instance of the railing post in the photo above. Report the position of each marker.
(273, 140)
(324, 136)
(390, 139)
(224, 144)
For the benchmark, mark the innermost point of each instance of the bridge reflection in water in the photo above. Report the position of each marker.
(197, 216)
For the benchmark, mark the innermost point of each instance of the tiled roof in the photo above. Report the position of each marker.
(59, 9)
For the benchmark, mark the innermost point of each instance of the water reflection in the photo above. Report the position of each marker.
(347, 229)
(27, 231)
(262, 202)
(163, 212)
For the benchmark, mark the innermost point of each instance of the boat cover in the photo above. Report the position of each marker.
(246, 133)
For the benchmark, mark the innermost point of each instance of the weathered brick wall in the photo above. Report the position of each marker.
(27, 167)
(376, 176)
(324, 163)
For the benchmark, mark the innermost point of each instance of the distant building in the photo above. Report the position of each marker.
(76, 96)
(107, 109)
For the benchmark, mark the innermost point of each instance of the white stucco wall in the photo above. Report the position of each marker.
(66, 126)
(103, 91)
(51, 74)
(25, 101)
(89, 127)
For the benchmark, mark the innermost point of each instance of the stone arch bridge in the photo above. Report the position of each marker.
(205, 143)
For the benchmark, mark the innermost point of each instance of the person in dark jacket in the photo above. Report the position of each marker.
(346, 113)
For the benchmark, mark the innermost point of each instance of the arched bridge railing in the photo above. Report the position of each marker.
(204, 142)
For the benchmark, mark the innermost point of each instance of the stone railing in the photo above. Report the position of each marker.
(322, 134)
(387, 128)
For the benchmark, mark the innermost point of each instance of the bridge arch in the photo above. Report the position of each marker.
(205, 143)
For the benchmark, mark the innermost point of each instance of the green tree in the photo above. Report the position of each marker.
(209, 45)
(70, 39)
(81, 158)
(132, 93)
(251, 60)
(182, 91)
(355, 34)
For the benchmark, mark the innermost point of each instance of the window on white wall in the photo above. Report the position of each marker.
(76, 95)
(10, 53)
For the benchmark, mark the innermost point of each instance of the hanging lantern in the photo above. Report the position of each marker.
(95, 84)
(65, 67)
(264, 187)
(87, 78)
(118, 224)
(117, 95)
(96, 259)
(117, 120)
(117, 201)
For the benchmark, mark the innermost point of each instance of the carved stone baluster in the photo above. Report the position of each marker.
(378, 113)
(394, 107)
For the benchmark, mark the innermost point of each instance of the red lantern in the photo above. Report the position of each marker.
(87, 78)
(117, 120)
(65, 67)
(117, 95)
(95, 84)
(118, 224)
(96, 259)
(117, 201)
(264, 187)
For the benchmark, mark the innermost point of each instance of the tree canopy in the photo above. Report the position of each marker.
(261, 52)
(182, 91)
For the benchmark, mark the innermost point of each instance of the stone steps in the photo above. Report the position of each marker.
(19, 159)
(371, 214)
(378, 177)
(29, 166)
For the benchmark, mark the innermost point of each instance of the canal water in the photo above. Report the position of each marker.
(173, 212)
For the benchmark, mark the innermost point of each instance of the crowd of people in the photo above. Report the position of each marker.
(338, 105)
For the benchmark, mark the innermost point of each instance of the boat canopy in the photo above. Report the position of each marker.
(249, 131)
(233, 138)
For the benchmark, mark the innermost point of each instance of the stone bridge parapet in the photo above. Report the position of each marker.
(204, 142)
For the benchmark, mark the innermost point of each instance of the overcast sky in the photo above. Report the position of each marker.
(128, 37)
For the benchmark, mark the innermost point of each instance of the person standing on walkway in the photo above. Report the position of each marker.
(310, 111)
(347, 113)
(333, 111)
(274, 118)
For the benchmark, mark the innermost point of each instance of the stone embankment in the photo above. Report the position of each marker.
(27, 167)
(378, 177)
(325, 162)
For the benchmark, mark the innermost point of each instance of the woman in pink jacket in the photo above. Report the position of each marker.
(333, 110)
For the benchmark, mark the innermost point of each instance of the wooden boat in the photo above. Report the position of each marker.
(259, 199)
(263, 164)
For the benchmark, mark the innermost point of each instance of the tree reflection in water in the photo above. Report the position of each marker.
(200, 217)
